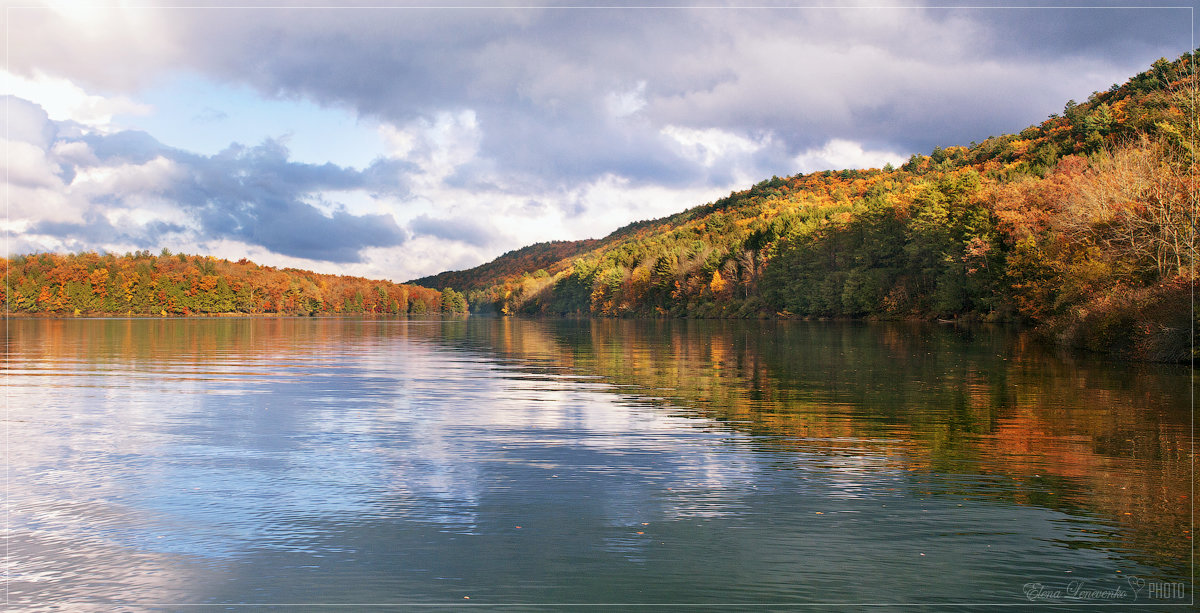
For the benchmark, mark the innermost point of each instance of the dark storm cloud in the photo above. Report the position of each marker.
(293, 228)
(256, 195)
(394, 63)
(250, 194)
(1116, 31)
(541, 81)
(912, 78)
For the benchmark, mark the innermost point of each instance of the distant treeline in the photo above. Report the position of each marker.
(180, 284)
(1083, 225)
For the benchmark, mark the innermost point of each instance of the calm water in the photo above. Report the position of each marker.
(333, 461)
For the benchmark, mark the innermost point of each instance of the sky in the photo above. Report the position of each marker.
(393, 140)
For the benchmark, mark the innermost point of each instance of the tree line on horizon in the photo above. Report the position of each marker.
(142, 283)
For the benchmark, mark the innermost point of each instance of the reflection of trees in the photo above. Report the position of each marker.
(193, 341)
(1054, 431)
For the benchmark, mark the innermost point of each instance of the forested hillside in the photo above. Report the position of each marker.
(179, 284)
(553, 255)
(1082, 224)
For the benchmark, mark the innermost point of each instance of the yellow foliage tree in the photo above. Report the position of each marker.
(718, 283)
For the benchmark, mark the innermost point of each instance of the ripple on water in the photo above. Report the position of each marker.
(328, 461)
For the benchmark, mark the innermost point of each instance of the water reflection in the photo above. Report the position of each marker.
(1066, 432)
(383, 461)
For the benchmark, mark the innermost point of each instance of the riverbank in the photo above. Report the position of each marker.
(232, 316)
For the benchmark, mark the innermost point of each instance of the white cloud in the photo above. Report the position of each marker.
(154, 176)
(612, 201)
(63, 100)
(76, 153)
(28, 167)
(35, 191)
(422, 256)
(841, 154)
(438, 145)
(39, 196)
(626, 103)
(709, 145)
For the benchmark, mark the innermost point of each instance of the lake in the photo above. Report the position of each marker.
(318, 461)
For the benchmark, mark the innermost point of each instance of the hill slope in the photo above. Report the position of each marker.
(1082, 224)
(526, 260)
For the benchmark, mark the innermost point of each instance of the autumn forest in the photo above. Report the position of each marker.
(178, 284)
(1082, 226)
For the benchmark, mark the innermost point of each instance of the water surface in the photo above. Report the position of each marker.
(498, 461)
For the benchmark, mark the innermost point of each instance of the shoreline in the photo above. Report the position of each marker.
(20, 315)
(1049, 335)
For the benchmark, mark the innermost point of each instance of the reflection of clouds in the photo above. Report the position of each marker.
(469, 422)
(53, 571)
(186, 460)
(146, 453)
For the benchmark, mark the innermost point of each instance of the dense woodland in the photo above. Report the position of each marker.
(179, 284)
(1082, 225)
(549, 257)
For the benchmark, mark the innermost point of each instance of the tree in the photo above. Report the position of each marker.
(453, 302)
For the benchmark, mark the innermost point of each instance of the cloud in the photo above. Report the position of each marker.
(436, 145)
(27, 167)
(255, 194)
(210, 115)
(129, 189)
(454, 229)
(712, 145)
(97, 229)
(1100, 30)
(626, 103)
(540, 80)
(28, 122)
(63, 100)
(839, 154)
(552, 90)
